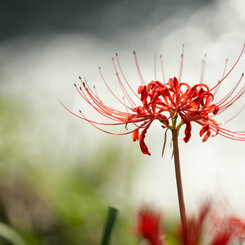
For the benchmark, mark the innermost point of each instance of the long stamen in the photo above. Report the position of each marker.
(161, 61)
(203, 66)
(217, 88)
(122, 86)
(234, 115)
(221, 102)
(138, 69)
(227, 74)
(155, 66)
(109, 87)
(96, 99)
(124, 77)
(234, 99)
(101, 107)
(181, 63)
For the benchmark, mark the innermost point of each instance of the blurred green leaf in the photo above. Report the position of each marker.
(11, 235)
(111, 218)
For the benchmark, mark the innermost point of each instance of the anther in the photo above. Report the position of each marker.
(116, 54)
(80, 111)
(75, 85)
(99, 68)
(134, 52)
(80, 77)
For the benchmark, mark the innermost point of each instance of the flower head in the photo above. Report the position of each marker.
(148, 226)
(228, 228)
(193, 232)
(207, 227)
(173, 104)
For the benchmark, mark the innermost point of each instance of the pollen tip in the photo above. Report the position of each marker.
(75, 84)
(99, 68)
(80, 111)
(134, 52)
(242, 74)
(80, 88)
(84, 85)
(80, 77)
(116, 54)
(94, 86)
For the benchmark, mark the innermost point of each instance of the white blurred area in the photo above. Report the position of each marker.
(39, 71)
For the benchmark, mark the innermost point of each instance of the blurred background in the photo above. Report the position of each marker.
(58, 174)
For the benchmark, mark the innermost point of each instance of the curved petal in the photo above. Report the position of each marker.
(135, 135)
(187, 132)
(143, 146)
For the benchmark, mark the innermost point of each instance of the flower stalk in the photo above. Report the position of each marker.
(179, 185)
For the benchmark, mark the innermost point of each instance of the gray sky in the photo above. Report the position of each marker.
(103, 19)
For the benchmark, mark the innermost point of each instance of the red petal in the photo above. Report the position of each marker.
(187, 131)
(163, 118)
(216, 110)
(149, 226)
(204, 129)
(222, 238)
(171, 82)
(143, 146)
(144, 95)
(207, 135)
(140, 89)
(140, 110)
(135, 135)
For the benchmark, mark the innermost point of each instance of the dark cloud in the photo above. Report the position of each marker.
(96, 17)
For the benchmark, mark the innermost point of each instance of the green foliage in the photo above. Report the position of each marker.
(42, 203)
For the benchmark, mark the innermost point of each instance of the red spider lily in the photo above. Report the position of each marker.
(195, 226)
(221, 238)
(217, 229)
(165, 102)
(149, 226)
(228, 228)
(192, 234)
(223, 231)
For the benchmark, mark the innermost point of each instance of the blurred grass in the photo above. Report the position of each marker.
(46, 203)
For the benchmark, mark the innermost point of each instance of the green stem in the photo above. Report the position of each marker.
(179, 186)
(111, 217)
